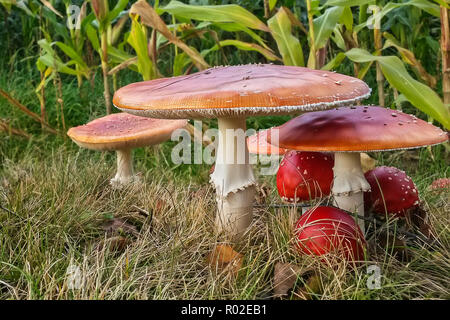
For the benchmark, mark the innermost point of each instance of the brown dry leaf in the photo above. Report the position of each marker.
(151, 18)
(397, 247)
(225, 258)
(118, 226)
(116, 244)
(417, 220)
(313, 286)
(367, 163)
(262, 192)
(284, 278)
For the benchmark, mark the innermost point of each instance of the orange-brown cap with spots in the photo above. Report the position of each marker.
(358, 129)
(123, 131)
(257, 144)
(244, 90)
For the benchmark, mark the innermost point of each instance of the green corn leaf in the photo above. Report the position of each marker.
(117, 10)
(241, 45)
(92, 36)
(217, 13)
(289, 46)
(325, 24)
(272, 4)
(425, 5)
(347, 3)
(150, 17)
(180, 62)
(57, 65)
(138, 40)
(233, 27)
(72, 54)
(335, 62)
(417, 93)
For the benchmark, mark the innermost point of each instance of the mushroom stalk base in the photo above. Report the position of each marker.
(349, 184)
(124, 173)
(233, 179)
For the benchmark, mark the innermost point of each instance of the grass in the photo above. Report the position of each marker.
(55, 200)
(58, 198)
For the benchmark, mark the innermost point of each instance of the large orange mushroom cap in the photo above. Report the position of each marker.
(245, 90)
(357, 129)
(123, 131)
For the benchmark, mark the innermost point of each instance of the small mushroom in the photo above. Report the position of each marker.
(230, 95)
(304, 175)
(323, 230)
(349, 131)
(392, 191)
(122, 132)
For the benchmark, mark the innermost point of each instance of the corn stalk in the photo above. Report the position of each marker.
(378, 47)
(445, 51)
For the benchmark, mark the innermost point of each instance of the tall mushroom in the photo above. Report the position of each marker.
(231, 94)
(122, 132)
(347, 131)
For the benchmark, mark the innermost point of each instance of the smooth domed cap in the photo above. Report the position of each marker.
(243, 90)
(257, 144)
(123, 131)
(357, 129)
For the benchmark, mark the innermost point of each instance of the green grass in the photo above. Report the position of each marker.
(56, 198)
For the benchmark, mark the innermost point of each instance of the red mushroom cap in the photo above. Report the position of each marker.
(392, 191)
(305, 175)
(440, 184)
(323, 230)
(257, 144)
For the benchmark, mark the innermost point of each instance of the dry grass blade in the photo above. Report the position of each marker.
(50, 6)
(122, 66)
(151, 18)
(33, 115)
(6, 127)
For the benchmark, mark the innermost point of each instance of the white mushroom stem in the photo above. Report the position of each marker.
(233, 178)
(124, 173)
(349, 184)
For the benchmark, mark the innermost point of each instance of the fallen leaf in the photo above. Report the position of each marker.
(313, 286)
(118, 226)
(394, 245)
(417, 220)
(225, 257)
(284, 278)
(262, 192)
(117, 243)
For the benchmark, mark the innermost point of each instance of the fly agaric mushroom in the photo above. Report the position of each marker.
(347, 131)
(322, 230)
(122, 132)
(392, 191)
(440, 184)
(304, 176)
(231, 94)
